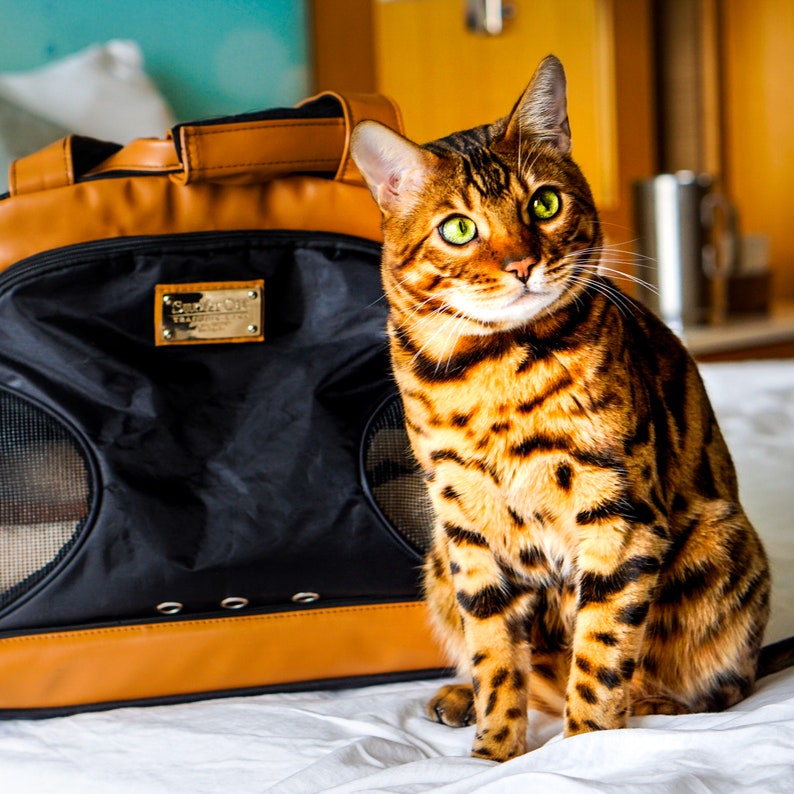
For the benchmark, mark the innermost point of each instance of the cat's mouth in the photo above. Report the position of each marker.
(509, 311)
(533, 297)
(529, 289)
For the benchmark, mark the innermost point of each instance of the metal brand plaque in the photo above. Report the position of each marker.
(209, 312)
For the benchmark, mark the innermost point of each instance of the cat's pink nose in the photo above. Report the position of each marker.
(522, 268)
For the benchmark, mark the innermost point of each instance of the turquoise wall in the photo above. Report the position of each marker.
(207, 57)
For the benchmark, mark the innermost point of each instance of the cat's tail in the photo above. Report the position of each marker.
(775, 657)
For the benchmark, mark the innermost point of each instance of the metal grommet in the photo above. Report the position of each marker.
(169, 607)
(305, 598)
(234, 602)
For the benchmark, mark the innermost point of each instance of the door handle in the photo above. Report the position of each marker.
(488, 16)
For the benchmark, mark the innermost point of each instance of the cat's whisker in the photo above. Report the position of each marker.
(520, 148)
(599, 266)
(618, 299)
(606, 288)
(614, 258)
(425, 320)
(627, 278)
(439, 330)
(626, 266)
(617, 248)
(620, 226)
(619, 275)
(386, 293)
(417, 309)
(528, 166)
(430, 319)
(460, 320)
(650, 266)
(531, 165)
(458, 334)
(376, 301)
(632, 265)
(393, 289)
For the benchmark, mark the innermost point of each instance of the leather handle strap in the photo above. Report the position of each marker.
(48, 168)
(356, 108)
(241, 151)
(257, 152)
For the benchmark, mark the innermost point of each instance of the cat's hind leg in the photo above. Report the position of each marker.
(706, 622)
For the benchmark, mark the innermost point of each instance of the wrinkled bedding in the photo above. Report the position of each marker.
(377, 739)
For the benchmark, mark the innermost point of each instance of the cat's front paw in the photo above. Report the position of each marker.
(499, 746)
(453, 705)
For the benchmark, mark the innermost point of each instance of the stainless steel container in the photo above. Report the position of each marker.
(685, 249)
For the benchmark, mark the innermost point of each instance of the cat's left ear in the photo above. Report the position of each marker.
(542, 111)
(393, 167)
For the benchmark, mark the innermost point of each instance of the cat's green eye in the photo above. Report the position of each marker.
(458, 230)
(545, 204)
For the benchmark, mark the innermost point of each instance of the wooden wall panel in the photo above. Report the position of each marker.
(342, 46)
(758, 63)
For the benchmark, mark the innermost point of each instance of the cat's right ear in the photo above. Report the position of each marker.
(393, 167)
(542, 112)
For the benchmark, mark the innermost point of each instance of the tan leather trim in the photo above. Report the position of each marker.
(155, 205)
(51, 167)
(184, 657)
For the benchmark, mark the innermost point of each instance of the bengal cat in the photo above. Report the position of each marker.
(590, 555)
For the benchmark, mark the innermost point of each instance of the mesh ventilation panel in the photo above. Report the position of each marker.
(45, 495)
(393, 478)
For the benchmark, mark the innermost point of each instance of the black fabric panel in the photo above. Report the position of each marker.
(224, 469)
(87, 153)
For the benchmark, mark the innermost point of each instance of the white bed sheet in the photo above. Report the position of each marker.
(377, 739)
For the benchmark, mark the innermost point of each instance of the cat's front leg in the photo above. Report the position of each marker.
(489, 602)
(611, 614)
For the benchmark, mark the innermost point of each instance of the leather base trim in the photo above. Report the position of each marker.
(179, 659)
(175, 700)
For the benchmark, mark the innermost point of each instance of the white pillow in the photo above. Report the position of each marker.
(101, 91)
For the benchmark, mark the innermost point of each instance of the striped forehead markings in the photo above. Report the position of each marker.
(483, 168)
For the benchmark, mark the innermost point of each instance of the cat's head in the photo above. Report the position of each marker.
(496, 224)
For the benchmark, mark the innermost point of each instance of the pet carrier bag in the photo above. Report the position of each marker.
(205, 482)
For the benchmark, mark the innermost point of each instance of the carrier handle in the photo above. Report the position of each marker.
(243, 150)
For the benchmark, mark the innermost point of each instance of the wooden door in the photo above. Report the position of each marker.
(447, 78)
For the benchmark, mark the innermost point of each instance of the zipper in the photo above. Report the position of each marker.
(48, 262)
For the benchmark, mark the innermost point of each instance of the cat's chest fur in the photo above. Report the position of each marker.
(513, 437)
